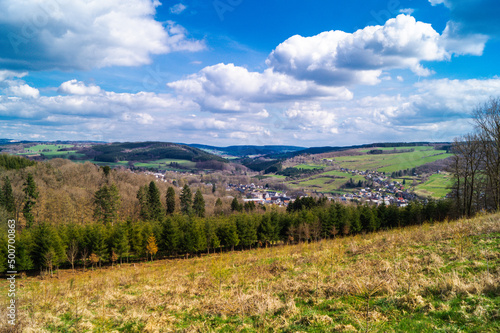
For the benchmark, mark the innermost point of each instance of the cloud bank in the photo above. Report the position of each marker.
(80, 34)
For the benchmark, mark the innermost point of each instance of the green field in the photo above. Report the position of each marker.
(39, 149)
(277, 176)
(120, 163)
(164, 163)
(52, 151)
(309, 166)
(392, 162)
(322, 183)
(437, 186)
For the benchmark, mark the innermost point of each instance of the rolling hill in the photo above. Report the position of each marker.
(148, 151)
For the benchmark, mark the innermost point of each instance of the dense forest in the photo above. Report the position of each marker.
(139, 151)
(46, 246)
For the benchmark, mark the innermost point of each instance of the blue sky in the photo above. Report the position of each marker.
(226, 72)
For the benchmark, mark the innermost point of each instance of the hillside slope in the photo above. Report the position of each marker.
(145, 151)
(441, 277)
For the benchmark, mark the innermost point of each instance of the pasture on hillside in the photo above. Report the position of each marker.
(435, 277)
(437, 186)
(329, 181)
(389, 163)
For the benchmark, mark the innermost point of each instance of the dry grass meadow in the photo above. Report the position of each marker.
(432, 278)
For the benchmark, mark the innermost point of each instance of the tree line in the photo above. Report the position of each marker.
(45, 247)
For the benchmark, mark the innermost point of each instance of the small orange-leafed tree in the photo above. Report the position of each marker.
(114, 258)
(151, 248)
(94, 259)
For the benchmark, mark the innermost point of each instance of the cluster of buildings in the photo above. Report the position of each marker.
(383, 191)
(260, 195)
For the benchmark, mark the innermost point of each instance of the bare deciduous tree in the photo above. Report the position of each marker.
(467, 164)
(487, 123)
(72, 252)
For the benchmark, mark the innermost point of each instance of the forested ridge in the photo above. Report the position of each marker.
(138, 151)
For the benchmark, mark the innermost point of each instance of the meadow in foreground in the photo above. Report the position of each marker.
(431, 278)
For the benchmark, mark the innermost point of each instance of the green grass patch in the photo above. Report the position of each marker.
(392, 162)
(45, 148)
(437, 186)
(322, 183)
(165, 163)
(309, 166)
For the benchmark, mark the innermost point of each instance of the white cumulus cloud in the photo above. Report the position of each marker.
(74, 87)
(340, 58)
(85, 34)
(23, 90)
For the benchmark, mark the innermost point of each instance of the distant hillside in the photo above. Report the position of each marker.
(241, 151)
(329, 149)
(146, 151)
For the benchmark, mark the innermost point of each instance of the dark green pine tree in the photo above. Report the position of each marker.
(186, 200)
(142, 196)
(106, 169)
(236, 206)
(45, 240)
(170, 200)
(228, 234)
(367, 219)
(7, 197)
(106, 204)
(170, 236)
(120, 242)
(267, 230)
(247, 231)
(154, 202)
(214, 188)
(199, 204)
(212, 240)
(30, 196)
(98, 242)
(135, 238)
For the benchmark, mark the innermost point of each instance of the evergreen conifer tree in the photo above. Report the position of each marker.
(186, 198)
(170, 235)
(31, 194)
(7, 198)
(142, 196)
(199, 204)
(154, 202)
(106, 204)
(236, 206)
(170, 200)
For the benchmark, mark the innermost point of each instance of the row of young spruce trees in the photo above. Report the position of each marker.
(163, 232)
